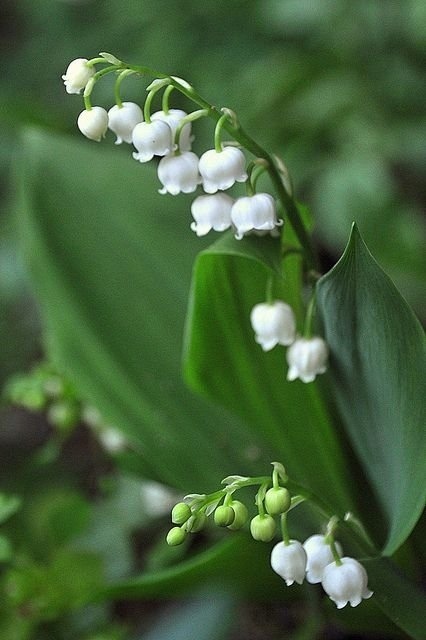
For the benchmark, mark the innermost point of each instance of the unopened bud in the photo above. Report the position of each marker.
(180, 513)
(241, 515)
(224, 516)
(197, 522)
(277, 500)
(175, 536)
(263, 528)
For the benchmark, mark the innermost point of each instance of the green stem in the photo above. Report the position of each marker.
(195, 115)
(309, 318)
(217, 132)
(117, 86)
(165, 100)
(269, 295)
(147, 106)
(284, 529)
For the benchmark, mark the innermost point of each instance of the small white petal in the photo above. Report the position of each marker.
(289, 561)
(179, 174)
(221, 169)
(122, 120)
(211, 212)
(93, 123)
(173, 119)
(254, 213)
(346, 582)
(151, 139)
(319, 556)
(77, 75)
(273, 324)
(307, 357)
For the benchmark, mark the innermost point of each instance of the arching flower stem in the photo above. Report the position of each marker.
(238, 133)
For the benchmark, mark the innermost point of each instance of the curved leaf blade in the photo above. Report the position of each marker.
(378, 371)
(223, 362)
(112, 274)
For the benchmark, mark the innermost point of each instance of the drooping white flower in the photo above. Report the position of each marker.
(319, 556)
(254, 213)
(93, 123)
(77, 75)
(151, 139)
(173, 119)
(307, 357)
(273, 324)
(179, 174)
(289, 561)
(211, 212)
(346, 582)
(221, 169)
(123, 119)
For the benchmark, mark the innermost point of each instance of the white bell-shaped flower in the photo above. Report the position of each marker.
(289, 561)
(179, 174)
(93, 123)
(307, 357)
(346, 582)
(77, 75)
(221, 169)
(151, 139)
(319, 556)
(173, 118)
(254, 213)
(273, 324)
(123, 119)
(211, 212)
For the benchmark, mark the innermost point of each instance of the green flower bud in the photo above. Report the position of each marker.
(175, 536)
(241, 515)
(224, 516)
(263, 528)
(180, 513)
(197, 522)
(277, 500)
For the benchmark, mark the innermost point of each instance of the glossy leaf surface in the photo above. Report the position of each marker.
(378, 373)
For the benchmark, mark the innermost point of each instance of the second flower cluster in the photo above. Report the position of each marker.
(274, 323)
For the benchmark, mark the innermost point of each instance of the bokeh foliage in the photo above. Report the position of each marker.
(333, 87)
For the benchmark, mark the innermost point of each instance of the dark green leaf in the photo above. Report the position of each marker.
(223, 362)
(266, 250)
(208, 617)
(111, 261)
(378, 371)
(223, 564)
(401, 600)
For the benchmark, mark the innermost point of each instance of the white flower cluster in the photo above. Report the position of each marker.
(275, 323)
(344, 581)
(180, 170)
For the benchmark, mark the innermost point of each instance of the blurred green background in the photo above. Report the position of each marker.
(333, 87)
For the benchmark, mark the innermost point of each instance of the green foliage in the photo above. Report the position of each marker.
(143, 395)
(378, 370)
(334, 89)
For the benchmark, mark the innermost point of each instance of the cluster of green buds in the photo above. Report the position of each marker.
(272, 499)
(319, 559)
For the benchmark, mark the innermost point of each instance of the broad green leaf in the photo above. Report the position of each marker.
(207, 617)
(111, 262)
(223, 362)
(378, 373)
(223, 564)
(401, 600)
(266, 250)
